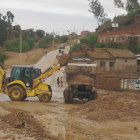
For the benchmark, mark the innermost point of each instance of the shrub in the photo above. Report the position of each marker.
(90, 40)
(2, 57)
(75, 47)
(14, 45)
(45, 42)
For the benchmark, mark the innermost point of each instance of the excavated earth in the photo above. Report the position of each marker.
(113, 116)
(123, 106)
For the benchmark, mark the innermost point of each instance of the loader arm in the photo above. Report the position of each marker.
(49, 72)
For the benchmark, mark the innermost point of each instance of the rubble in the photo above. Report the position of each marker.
(112, 106)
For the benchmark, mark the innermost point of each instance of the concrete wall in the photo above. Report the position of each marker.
(126, 65)
(120, 65)
(107, 67)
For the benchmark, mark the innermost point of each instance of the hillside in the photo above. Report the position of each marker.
(31, 57)
(125, 23)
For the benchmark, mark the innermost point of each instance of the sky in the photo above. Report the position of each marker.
(59, 16)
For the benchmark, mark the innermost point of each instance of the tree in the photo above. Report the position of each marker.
(133, 45)
(5, 25)
(10, 17)
(97, 10)
(40, 33)
(128, 5)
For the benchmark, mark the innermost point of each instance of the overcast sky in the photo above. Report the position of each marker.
(57, 15)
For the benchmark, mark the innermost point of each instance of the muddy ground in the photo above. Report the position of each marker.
(96, 120)
(113, 116)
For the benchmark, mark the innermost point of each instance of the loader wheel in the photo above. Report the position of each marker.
(16, 93)
(44, 97)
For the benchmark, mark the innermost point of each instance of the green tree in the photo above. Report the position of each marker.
(5, 25)
(46, 41)
(133, 45)
(40, 33)
(14, 45)
(91, 40)
(2, 57)
(128, 5)
(97, 10)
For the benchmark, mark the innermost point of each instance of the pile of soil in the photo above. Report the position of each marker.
(26, 123)
(63, 61)
(81, 80)
(112, 106)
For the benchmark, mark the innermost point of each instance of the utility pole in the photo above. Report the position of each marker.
(69, 31)
(20, 47)
(53, 39)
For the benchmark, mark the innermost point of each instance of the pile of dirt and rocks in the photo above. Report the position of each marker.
(112, 106)
(63, 61)
(26, 123)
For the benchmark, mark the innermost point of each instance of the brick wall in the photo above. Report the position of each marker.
(107, 82)
(115, 35)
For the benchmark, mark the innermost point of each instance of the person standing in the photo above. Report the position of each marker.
(61, 81)
(58, 82)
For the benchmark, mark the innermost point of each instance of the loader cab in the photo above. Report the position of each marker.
(23, 73)
(36, 72)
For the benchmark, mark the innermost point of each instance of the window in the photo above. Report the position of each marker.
(102, 63)
(121, 38)
(112, 64)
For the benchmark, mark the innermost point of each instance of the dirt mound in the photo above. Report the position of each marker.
(26, 123)
(64, 59)
(112, 106)
(81, 80)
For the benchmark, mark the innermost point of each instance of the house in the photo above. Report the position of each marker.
(108, 60)
(127, 28)
(73, 34)
(119, 36)
(85, 33)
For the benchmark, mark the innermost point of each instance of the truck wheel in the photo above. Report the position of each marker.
(44, 97)
(93, 96)
(70, 97)
(16, 93)
(66, 95)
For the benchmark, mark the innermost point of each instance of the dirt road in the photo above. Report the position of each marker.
(32, 120)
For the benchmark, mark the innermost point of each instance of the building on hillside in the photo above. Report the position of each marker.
(85, 33)
(73, 34)
(119, 36)
(108, 60)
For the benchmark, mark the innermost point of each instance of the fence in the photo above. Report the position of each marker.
(130, 84)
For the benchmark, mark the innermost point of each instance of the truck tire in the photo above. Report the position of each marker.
(16, 93)
(70, 97)
(93, 96)
(66, 95)
(44, 97)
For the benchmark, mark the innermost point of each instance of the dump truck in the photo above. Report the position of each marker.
(26, 81)
(80, 82)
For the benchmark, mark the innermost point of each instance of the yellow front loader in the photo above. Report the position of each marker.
(25, 81)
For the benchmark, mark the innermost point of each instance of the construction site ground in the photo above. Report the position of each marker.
(113, 116)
